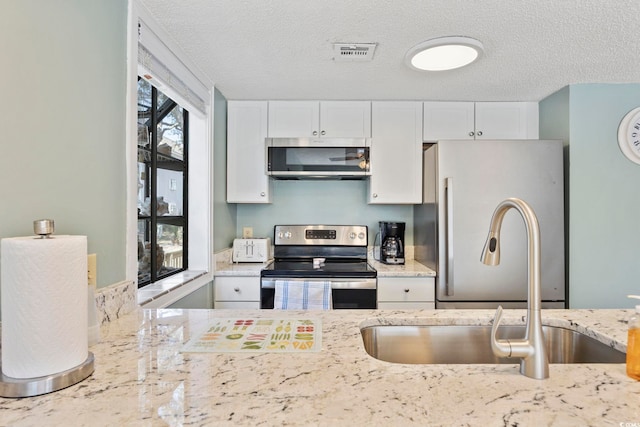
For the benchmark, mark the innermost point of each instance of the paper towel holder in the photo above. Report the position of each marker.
(43, 227)
(27, 387)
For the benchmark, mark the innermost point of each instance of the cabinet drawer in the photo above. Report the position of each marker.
(237, 305)
(236, 289)
(405, 289)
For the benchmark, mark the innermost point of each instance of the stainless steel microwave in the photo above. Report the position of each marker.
(318, 158)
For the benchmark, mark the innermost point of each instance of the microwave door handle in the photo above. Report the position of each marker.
(448, 191)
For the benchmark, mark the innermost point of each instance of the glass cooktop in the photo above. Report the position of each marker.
(306, 268)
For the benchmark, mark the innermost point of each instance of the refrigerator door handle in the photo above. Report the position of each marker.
(448, 190)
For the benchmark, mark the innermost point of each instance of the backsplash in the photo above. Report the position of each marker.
(321, 202)
(224, 256)
(113, 302)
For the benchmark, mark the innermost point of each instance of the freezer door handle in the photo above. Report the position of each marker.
(448, 191)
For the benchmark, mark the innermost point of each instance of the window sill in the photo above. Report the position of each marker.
(168, 290)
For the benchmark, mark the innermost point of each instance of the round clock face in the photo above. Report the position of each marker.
(629, 135)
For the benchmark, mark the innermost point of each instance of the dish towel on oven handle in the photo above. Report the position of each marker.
(302, 295)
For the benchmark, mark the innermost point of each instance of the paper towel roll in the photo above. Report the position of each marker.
(43, 286)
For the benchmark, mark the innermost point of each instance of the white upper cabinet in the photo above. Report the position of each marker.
(506, 120)
(311, 119)
(345, 119)
(480, 120)
(396, 153)
(292, 119)
(448, 120)
(247, 181)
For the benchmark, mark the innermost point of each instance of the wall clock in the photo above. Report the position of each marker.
(629, 135)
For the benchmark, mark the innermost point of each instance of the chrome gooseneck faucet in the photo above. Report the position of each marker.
(531, 350)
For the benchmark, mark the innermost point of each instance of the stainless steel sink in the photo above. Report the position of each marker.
(471, 344)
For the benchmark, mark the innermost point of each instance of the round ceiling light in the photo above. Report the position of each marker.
(444, 53)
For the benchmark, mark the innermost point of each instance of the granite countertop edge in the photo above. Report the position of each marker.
(411, 268)
(141, 371)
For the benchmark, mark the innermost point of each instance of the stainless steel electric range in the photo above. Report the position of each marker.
(334, 253)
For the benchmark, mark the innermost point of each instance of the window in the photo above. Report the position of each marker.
(169, 254)
(163, 129)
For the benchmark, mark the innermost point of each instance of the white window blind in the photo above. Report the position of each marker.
(168, 72)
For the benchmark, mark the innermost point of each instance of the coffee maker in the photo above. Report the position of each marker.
(392, 242)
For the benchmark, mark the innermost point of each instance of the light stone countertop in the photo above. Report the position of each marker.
(411, 268)
(240, 269)
(225, 267)
(142, 379)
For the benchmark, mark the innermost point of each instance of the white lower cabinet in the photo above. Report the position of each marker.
(236, 292)
(401, 293)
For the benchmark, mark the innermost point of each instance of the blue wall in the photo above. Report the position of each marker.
(224, 215)
(604, 196)
(321, 202)
(63, 116)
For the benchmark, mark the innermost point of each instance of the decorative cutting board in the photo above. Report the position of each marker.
(227, 335)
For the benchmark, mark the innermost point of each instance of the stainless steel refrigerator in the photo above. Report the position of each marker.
(464, 181)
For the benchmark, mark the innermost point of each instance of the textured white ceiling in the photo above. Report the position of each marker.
(282, 49)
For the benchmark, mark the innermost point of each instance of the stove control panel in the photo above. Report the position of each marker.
(334, 235)
(320, 234)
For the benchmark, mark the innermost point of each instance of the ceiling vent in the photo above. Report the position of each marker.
(349, 52)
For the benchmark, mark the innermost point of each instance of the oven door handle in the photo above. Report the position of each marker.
(270, 282)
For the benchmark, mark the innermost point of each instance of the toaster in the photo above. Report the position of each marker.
(251, 250)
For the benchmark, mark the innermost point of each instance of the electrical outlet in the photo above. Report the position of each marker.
(92, 267)
(247, 232)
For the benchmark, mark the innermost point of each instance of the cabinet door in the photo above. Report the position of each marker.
(293, 119)
(506, 120)
(419, 305)
(345, 119)
(448, 120)
(236, 305)
(247, 181)
(396, 153)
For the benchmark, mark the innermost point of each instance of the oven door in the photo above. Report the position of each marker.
(346, 293)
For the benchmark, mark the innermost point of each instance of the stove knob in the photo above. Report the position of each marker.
(280, 235)
(361, 235)
(352, 235)
(287, 235)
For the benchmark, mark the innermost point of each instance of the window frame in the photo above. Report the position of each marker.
(156, 115)
(156, 41)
